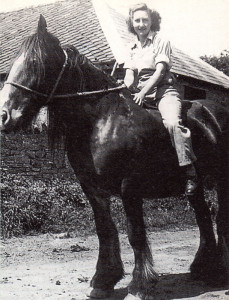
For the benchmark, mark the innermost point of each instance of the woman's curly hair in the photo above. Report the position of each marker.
(154, 15)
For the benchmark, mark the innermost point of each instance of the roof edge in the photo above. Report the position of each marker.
(109, 29)
(203, 82)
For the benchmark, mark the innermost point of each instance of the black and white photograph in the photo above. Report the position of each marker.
(114, 118)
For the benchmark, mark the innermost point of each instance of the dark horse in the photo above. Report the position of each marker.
(117, 147)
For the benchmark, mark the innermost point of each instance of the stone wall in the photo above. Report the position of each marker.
(28, 154)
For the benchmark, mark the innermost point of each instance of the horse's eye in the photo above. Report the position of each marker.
(32, 60)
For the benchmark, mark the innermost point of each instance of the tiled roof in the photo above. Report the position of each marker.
(186, 65)
(76, 22)
(72, 21)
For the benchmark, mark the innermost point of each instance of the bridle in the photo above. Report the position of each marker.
(51, 96)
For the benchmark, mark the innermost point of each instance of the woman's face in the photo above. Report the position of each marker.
(141, 23)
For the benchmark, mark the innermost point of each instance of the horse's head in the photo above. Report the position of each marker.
(33, 74)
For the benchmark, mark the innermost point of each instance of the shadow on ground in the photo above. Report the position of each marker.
(176, 286)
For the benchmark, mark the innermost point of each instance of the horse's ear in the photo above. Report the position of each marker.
(42, 25)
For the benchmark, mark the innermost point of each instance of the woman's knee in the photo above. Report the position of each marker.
(176, 129)
(172, 123)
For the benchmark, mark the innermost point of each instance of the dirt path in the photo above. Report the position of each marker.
(55, 267)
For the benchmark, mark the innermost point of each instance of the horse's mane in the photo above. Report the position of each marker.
(83, 76)
(92, 76)
(36, 49)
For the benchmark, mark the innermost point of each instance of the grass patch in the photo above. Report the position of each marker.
(59, 205)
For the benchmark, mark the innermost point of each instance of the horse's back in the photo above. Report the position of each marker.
(136, 143)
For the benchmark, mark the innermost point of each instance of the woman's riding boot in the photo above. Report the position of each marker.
(192, 180)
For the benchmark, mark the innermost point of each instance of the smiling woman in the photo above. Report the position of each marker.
(196, 27)
(148, 76)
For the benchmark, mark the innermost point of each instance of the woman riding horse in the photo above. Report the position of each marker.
(148, 75)
(116, 147)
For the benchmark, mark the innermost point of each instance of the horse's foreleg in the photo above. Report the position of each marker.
(144, 276)
(109, 268)
(202, 266)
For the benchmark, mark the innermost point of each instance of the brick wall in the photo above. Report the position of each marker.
(212, 93)
(28, 154)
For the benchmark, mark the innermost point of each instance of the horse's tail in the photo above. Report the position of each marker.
(204, 119)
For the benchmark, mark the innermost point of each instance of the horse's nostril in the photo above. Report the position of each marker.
(4, 117)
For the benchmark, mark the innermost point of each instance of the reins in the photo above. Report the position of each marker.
(52, 96)
(90, 93)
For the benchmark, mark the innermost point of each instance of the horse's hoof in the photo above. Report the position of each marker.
(100, 294)
(132, 297)
(138, 297)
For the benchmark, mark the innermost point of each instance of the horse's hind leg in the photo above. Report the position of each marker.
(222, 262)
(109, 268)
(144, 276)
(202, 266)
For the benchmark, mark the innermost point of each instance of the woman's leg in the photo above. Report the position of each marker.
(170, 108)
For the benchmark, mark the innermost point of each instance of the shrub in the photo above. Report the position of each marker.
(28, 204)
(59, 205)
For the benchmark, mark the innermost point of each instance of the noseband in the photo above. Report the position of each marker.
(52, 96)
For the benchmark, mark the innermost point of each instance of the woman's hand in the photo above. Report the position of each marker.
(139, 98)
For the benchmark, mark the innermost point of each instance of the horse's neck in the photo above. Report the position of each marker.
(85, 111)
(95, 78)
(82, 75)
(92, 79)
(83, 114)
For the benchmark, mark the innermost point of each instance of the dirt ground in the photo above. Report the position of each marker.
(56, 266)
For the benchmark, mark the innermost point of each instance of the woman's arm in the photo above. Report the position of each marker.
(152, 82)
(129, 79)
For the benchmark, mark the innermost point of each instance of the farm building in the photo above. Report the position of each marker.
(101, 34)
